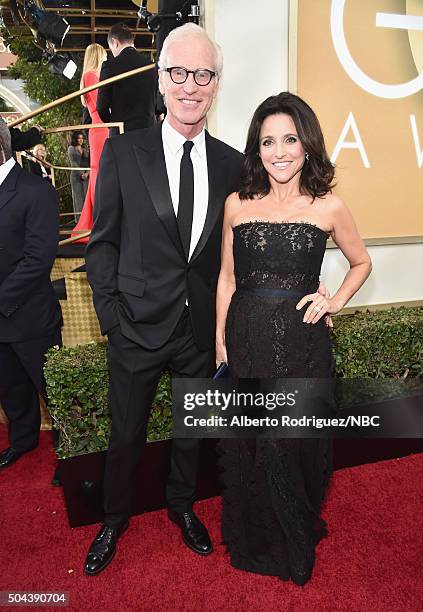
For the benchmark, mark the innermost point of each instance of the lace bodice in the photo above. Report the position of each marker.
(284, 255)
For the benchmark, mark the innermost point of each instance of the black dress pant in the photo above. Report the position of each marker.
(134, 375)
(21, 382)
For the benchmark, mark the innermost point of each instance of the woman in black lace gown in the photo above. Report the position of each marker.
(271, 324)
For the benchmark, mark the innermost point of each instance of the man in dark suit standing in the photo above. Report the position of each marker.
(130, 100)
(153, 261)
(30, 315)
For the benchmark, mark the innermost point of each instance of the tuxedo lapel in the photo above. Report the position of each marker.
(8, 187)
(217, 190)
(151, 162)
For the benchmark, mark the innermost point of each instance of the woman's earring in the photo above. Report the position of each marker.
(307, 156)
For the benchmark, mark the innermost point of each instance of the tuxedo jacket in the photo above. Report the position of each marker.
(35, 168)
(130, 100)
(135, 260)
(29, 230)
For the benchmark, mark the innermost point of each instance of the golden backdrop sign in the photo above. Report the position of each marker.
(359, 64)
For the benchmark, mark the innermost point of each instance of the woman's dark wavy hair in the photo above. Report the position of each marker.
(318, 171)
(74, 138)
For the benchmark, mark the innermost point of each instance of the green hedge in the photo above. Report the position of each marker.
(385, 344)
(77, 385)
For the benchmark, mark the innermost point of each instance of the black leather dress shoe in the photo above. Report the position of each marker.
(103, 548)
(194, 534)
(9, 456)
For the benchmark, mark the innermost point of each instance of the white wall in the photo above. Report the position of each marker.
(254, 39)
(397, 274)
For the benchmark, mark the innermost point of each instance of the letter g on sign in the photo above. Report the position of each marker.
(380, 90)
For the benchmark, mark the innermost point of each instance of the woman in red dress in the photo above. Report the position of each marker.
(94, 56)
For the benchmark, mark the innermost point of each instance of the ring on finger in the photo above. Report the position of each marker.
(317, 308)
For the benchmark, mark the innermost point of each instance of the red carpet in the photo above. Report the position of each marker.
(370, 562)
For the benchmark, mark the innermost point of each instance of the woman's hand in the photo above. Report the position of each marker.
(221, 355)
(320, 306)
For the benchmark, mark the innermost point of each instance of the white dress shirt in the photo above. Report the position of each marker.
(6, 168)
(173, 143)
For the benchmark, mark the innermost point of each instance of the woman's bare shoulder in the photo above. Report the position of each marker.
(332, 202)
(332, 208)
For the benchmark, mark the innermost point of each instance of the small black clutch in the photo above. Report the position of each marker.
(222, 371)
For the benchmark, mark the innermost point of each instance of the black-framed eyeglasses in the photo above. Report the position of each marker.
(202, 76)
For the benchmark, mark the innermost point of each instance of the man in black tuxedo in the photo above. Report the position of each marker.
(153, 261)
(30, 315)
(131, 100)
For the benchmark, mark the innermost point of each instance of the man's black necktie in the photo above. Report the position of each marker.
(186, 198)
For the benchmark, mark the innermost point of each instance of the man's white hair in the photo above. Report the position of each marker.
(5, 142)
(183, 32)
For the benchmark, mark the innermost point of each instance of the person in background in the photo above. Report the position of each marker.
(22, 141)
(79, 158)
(94, 57)
(36, 166)
(131, 100)
(86, 120)
(30, 316)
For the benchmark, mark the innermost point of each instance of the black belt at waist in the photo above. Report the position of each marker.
(270, 292)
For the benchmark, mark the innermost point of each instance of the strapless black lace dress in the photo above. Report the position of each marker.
(273, 489)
